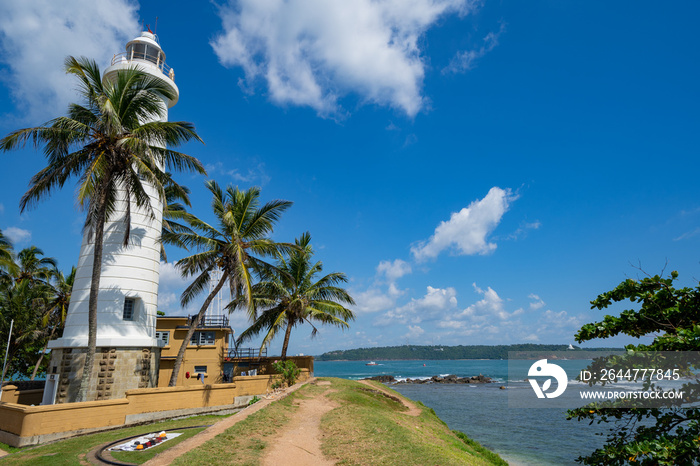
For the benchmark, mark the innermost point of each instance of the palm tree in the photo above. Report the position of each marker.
(291, 294)
(55, 316)
(33, 268)
(234, 247)
(7, 262)
(108, 147)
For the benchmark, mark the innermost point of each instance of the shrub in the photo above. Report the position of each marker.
(288, 370)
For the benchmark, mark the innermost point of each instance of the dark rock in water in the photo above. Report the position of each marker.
(450, 379)
(502, 387)
(382, 378)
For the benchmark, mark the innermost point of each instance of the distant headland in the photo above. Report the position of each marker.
(440, 352)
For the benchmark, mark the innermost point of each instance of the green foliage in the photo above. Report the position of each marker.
(254, 400)
(288, 370)
(648, 436)
(485, 452)
(35, 295)
(417, 352)
(235, 246)
(291, 294)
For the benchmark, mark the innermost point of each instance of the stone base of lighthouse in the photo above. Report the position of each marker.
(114, 371)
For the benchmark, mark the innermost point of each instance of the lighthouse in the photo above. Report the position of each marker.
(127, 354)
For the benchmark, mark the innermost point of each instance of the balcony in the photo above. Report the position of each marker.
(246, 353)
(134, 56)
(210, 322)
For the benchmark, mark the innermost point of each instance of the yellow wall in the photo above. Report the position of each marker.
(22, 425)
(10, 394)
(203, 355)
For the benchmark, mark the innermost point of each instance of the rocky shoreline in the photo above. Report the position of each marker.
(450, 379)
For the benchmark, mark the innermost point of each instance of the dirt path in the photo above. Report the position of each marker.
(413, 410)
(3, 453)
(168, 456)
(299, 442)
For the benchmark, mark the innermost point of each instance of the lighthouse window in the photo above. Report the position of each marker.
(139, 51)
(129, 309)
(202, 338)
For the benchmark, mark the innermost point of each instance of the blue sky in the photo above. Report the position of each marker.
(479, 170)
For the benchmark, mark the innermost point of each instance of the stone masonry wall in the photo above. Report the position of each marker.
(115, 370)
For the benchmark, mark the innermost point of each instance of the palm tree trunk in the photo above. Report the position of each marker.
(286, 340)
(94, 290)
(38, 363)
(193, 326)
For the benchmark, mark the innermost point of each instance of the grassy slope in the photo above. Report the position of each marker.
(369, 428)
(74, 451)
(366, 428)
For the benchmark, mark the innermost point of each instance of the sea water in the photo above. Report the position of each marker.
(521, 436)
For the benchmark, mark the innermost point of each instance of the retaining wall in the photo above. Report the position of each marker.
(22, 425)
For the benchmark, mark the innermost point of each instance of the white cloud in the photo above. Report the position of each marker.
(688, 234)
(36, 36)
(254, 174)
(490, 305)
(372, 300)
(394, 270)
(18, 236)
(376, 298)
(536, 303)
(559, 320)
(523, 229)
(434, 302)
(465, 61)
(414, 331)
(467, 230)
(313, 52)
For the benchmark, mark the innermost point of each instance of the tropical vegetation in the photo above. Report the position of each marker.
(646, 435)
(34, 297)
(236, 247)
(291, 293)
(444, 352)
(116, 146)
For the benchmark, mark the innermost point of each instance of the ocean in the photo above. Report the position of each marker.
(521, 436)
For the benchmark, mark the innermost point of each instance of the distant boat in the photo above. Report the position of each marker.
(371, 363)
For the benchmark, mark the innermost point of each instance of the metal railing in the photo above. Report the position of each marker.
(209, 322)
(248, 353)
(126, 57)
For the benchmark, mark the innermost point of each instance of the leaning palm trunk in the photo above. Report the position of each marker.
(193, 326)
(92, 303)
(287, 333)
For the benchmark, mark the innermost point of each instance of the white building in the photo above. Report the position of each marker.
(127, 350)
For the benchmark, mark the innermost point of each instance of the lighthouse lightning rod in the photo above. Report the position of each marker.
(4, 364)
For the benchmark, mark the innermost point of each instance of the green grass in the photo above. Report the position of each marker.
(370, 428)
(366, 428)
(245, 442)
(74, 451)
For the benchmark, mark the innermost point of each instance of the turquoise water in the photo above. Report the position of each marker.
(520, 436)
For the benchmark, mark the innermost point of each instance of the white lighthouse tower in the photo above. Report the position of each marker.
(127, 353)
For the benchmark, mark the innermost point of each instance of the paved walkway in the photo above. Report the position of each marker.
(169, 455)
